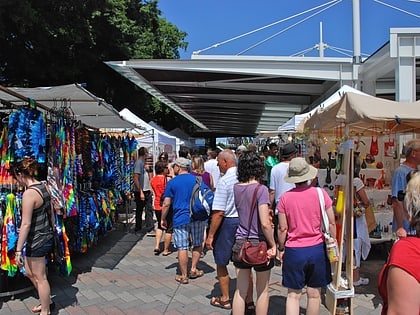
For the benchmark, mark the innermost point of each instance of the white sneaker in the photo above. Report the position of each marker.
(361, 281)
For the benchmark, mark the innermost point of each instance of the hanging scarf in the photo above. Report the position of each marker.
(9, 237)
(66, 267)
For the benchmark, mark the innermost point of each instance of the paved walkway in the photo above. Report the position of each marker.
(121, 275)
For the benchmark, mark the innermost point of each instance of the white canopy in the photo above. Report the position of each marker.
(292, 124)
(364, 112)
(151, 134)
(92, 111)
(298, 121)
(179, 141)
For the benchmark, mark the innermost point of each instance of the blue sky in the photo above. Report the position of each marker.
(211, 22)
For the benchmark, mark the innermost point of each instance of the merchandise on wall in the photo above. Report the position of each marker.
(348, 120)
(87, 174)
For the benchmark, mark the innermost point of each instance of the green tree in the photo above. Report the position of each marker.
(54, 42)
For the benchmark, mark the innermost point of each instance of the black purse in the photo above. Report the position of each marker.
(57, 252)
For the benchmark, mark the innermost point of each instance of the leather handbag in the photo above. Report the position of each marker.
(253, 252)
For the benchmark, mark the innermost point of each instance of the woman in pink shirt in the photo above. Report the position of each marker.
(303, 254)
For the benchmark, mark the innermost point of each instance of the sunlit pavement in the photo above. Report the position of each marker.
(121, 275)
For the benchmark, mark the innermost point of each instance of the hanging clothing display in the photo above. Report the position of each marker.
(87, 175)
(27, 135)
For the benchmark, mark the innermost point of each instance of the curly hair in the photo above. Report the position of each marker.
(27, 166)
(250, 166)
(412, 202)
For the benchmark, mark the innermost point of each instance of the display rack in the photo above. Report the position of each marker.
(338, 290)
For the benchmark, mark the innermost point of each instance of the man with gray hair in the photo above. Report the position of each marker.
(224, 222)
(411, 151)
(178, 192)
(223, 226)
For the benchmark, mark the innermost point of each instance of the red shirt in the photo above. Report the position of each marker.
(405, 254)
(158, 186)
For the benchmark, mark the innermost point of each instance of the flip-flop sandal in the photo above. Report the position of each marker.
(217, 302)
(181, 279)
(196, 274)
(37, 309)
(166, 253)
(156, 251)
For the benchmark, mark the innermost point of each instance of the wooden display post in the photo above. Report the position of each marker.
(336, 290)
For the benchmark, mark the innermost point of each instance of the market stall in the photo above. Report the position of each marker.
(371, 128)
(88, 174)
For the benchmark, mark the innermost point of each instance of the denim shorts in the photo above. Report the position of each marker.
(306, 266)
(41, 251)
(182, 234)
(224, 240)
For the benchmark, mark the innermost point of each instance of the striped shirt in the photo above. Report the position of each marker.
(223, 196)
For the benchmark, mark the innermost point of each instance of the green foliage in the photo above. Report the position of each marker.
(53, 42)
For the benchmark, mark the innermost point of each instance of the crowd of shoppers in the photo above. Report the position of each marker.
(288, 218)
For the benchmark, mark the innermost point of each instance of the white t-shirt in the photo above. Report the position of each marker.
(211, 167)
(277, 182)
(223, 196)
(357, 182)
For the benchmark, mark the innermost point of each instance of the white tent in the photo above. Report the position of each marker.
(159, 141)
(179, 141)
(360, 112)
(92, 111)
(292, 124)
(296, 123)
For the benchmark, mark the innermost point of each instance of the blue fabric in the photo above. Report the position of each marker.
(224, 240)
(306, 266)
(179, 189)
(181, 237)
(41, 251)
(197, 232)
(182, 234)
(399, 182)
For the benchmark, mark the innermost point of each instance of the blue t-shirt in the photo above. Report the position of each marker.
(399, 182)
(179, 189)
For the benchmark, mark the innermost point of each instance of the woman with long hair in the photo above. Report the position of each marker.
(197, 165)
(36, 231)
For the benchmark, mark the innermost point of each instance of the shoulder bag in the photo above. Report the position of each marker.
(251, 252)
(330, 242)
(57, 252)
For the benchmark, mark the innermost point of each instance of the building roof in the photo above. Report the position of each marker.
(245, 95)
